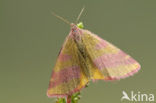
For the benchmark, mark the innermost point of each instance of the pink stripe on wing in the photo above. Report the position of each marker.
(112, 60)
(115, 63)
(64, 75)
(64, 57)
(101, 44)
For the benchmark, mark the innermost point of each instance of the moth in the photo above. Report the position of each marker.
(84, 57)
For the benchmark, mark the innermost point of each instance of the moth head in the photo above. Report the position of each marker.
(73, 27)
(76, 32)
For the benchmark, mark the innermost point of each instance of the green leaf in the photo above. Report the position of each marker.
(80, 25)
(74, 98)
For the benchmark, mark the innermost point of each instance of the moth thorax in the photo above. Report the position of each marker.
(76, 35)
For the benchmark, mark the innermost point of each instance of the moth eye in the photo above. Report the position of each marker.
(75, 30)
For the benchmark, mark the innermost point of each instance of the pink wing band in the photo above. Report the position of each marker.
(102, 44)
(65, 75)
(64, 57)
(113, 60)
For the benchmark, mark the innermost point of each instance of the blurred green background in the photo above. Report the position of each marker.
(30, 39)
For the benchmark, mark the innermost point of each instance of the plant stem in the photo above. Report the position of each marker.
(69, 99)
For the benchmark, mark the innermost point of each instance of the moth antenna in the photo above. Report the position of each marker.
(61, 18)
(79, 15)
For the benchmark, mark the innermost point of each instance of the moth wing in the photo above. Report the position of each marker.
(67, 76)
(112, 62)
